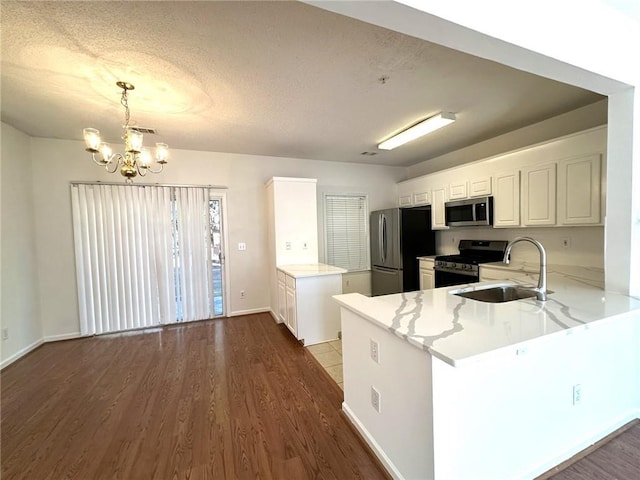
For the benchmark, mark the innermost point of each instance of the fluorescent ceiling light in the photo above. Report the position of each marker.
(418, 130)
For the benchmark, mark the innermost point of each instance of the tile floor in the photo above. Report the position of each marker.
(329, 355)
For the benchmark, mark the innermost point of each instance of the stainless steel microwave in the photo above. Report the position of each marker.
(470, 212)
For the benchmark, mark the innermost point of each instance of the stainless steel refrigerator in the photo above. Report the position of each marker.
(398, 237)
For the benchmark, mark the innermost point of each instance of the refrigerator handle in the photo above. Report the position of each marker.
(384, 239)
(380, 238)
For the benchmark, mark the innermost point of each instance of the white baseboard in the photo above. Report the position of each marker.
(237, 313)
(20, 353)
(275, 316)
(64, 336)
(386, 461)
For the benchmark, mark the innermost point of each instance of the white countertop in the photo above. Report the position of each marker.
(458, 330)
(310, 270)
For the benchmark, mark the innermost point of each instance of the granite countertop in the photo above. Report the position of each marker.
(458, 330)
(310, 270)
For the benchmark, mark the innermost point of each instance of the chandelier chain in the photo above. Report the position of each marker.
(124, 102)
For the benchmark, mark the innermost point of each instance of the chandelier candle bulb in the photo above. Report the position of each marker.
(91, 139)
(145, 158)
(105, 151)
(133, 141)
(162, 152)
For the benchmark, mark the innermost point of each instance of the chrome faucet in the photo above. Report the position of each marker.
(541, 289)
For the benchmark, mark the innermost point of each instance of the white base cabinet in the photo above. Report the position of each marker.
(427, 275)
(308, 310)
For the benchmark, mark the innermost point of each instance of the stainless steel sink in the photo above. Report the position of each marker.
(499, 294)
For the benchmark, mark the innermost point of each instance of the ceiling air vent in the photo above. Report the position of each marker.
(369, 154)
(144, 130)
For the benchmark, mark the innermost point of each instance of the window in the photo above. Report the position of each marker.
(346, 219)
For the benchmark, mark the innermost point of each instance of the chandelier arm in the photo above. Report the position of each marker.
(156, 171)
(102, 163)
(114, 160)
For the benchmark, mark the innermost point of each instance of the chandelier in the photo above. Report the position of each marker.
(136, 159)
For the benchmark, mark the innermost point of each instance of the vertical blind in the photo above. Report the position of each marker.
(142, 255)
(346, 231)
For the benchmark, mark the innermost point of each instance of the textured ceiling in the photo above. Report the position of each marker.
(269, 78)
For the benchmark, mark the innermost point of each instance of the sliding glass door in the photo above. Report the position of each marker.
(147, 255)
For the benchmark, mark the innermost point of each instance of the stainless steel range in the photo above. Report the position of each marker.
(463, 268)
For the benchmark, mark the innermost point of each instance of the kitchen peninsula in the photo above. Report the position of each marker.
(446, 387)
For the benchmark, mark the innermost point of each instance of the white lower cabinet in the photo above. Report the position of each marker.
(291, 316)
(309, 311)
(427, 275)
(282, 298)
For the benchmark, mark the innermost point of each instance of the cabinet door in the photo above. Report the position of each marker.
(292, 323)
(480, 186)
(282, 302)
(579, 190)
(438, 197)
(506, 199)
(539, 194)
(458, 190)
(427, 279)
(405, 200)
(421, 198)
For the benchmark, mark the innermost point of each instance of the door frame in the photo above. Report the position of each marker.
(222, 195)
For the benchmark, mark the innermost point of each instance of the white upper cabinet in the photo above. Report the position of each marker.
(579, 190)
(458, 190)
(414, 192)
(559, 182)
(439, 195)
(539, 195)
(479, 187)
(422, 198)
(506, 199)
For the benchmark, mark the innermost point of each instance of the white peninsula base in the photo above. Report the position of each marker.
(512, 413)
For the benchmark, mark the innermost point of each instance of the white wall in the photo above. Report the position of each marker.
(20, 313)
(58, 162)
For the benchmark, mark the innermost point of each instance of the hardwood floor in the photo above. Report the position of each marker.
(221, 399)
(614, 458)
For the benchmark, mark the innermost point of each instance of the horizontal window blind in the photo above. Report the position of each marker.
(346, 231)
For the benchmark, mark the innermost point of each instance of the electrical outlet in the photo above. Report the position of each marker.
(305, 245)
(243, 294)
(577, 394)
(242, 246)
(375, 399)
(566, 242)
(5, 334)
(287, 245)
(375, 351)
